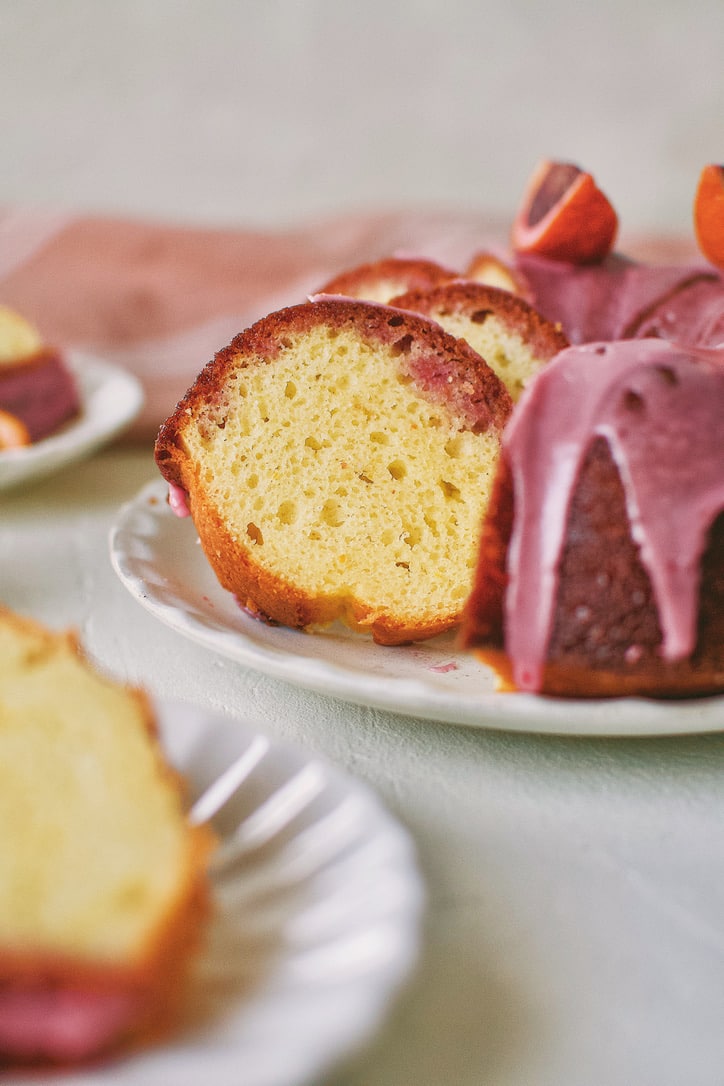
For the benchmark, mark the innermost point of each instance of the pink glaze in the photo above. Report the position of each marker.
(62, 1025)
(659, 407)
(177, 499)
(610, 300)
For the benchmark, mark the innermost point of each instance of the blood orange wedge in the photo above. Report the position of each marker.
(709, 214)
(564, 216)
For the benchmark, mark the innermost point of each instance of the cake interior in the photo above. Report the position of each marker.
(346, 480)
(92, 833)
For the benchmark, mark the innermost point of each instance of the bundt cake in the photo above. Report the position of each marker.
(102, 886)
(511, 336)
(381, 280)
(336, 458)
(38, 393)
(601, 563)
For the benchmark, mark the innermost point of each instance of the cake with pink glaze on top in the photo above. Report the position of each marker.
(601, 563)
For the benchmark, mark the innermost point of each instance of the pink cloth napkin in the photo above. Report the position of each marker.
(161, 299)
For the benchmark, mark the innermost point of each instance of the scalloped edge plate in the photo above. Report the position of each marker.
(318, 914)
(111, 398)
(159, 559)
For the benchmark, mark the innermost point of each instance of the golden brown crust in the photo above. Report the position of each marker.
(382, 279)
(486, 267)
(477, 302)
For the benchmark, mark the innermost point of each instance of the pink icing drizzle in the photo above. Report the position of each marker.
(177, 499)
(659, 406)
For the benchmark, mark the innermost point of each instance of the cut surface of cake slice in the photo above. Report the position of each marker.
(102, 881)
(337, 457)
(513, 338)
(601, 568)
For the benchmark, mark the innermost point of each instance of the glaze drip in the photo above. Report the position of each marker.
(659, 408)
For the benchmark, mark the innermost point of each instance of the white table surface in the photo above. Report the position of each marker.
(575, 927)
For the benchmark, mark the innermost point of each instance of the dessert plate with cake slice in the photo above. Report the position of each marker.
(316, 920)
(158, 558)
(110, 398)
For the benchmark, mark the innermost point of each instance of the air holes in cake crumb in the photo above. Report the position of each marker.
(395, 322)
(451, 492)
(454, 447)
(332, 513)
(252, 482)
(410, 536)
(312, 443)
(397, 469)
(480, 316)
(403, 345)
(291, 390)
(669, 376)
(287, 512)
(379, 437)
(632, 401)
(254, 533)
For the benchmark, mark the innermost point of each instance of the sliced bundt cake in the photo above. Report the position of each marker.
(102, 881)
(513, 338)
(337, 458)
(601, 567)
(381, 280)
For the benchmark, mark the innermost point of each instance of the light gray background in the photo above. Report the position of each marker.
(265, 112)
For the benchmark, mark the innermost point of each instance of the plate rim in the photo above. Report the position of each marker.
(372, 996)
(502, 711)
(83, 435)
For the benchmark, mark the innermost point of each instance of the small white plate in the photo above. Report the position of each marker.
(110, 399)
(159, 559)
(317, 923)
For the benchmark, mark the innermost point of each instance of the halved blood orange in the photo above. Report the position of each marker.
(13, 432)
(709, 214)
(564, 216)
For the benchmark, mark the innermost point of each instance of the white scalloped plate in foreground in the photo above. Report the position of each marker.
(110, 398)
(317, 922)
(159, 559)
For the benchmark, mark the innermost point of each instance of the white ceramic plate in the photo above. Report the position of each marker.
(159, 559)
(318, 908)
(111, 399)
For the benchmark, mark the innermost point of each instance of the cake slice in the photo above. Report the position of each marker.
(337, 458)
(102, 881)
(381, 280)
(38, 393)
(513, 338)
